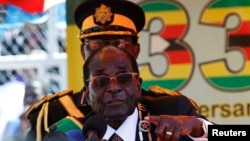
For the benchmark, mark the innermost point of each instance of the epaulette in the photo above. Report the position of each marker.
(160, 90)
(42, 106)
(57, 96)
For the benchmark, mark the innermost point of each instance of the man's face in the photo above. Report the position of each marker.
(116, 97)
(125, 42)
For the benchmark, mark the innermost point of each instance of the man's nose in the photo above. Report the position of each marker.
(113, 85)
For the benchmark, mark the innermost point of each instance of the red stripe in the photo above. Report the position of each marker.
(247, 52)
(173, 31)
(179, 57)
(243, 29)
(31, 6)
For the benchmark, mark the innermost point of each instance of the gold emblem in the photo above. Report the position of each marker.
(144, 126)
(103, 14)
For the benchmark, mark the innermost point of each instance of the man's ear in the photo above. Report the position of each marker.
(140, 80)
(136, 49)
(139, 83)
(82, 51)
(85, 96)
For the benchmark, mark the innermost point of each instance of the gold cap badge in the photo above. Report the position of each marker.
(103, 14)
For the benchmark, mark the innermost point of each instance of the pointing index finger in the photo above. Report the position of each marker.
(152, 119)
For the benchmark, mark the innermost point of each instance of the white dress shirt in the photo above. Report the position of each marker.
(127, 131)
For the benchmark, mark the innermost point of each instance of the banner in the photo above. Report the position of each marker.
(32, 6)
(201, 48)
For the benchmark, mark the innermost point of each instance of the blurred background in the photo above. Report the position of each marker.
(200, 48)
(32, 40)
(32, 48)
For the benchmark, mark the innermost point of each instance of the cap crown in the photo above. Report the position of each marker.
(109, 17)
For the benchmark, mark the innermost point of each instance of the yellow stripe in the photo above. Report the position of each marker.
(218, 69)
(175, 17)
(175, 72)
(220, 14)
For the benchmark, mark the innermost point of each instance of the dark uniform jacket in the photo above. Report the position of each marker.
(157, 101)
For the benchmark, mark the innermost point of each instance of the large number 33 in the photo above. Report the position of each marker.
(169, 61)
(218, 72)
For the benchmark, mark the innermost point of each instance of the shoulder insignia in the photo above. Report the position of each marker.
(48, 98)
(42, 106)
(160, 90)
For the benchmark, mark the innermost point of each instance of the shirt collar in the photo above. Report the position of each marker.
(127, 131)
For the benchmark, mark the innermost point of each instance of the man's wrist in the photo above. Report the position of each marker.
(204, 126)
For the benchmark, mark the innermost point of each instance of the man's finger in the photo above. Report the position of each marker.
(152, 119)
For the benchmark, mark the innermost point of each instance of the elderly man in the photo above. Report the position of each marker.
(101, 23)
(113, 86)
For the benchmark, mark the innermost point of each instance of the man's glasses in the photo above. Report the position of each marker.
(94, 44)
(103, 81)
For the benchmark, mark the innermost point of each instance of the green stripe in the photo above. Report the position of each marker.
(66, 124)
(231, 83)
(159, 6)
(230, 3)
(169, 84)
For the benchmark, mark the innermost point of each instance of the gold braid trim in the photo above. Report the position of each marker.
(48, 98)
(160, 90)
(46, 115)
(71, 108)
(43, 107)
(39, 124)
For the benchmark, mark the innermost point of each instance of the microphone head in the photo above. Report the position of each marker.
(55, 136)
(75, 135)
(95, 123)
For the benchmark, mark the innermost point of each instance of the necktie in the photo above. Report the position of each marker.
(115, 137)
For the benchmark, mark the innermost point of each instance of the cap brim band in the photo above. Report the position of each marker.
(106, 33)
(119, 21)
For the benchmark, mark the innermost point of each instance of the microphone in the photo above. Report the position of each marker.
(74, 135)
(94, 128)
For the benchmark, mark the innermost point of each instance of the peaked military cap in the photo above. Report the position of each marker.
(109, 17)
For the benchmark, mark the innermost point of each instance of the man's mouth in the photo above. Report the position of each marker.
(115, 102)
